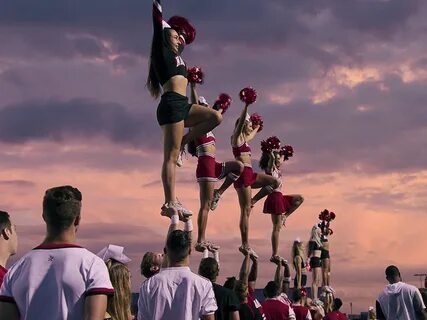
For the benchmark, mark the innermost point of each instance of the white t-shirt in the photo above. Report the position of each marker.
(52, 281)
(400, 300)
(176, 293)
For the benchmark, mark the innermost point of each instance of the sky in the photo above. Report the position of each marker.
(342, 81)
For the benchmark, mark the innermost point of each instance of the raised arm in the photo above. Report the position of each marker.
(239, 128)
(253, 275)
(278, 276)
(244, 270)
(194, 95)
(158, 25)
(252, 135)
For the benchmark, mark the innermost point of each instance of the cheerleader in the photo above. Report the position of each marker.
(245, 130)
(210, 171)
(299, 265)
(326, 217)
(314, 253)
(279, 206)
(168, 73)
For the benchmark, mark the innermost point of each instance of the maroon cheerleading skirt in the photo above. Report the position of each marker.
(276, 203)
(247, 178)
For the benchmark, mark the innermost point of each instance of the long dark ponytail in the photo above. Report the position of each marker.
(153, 82)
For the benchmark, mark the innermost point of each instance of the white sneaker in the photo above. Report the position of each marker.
(184, 211)
(215, 199)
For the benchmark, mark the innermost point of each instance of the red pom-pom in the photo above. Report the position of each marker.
(184, 28)
(324, 215)
(195, 75)
(256, 120)
(270, 144)
(248, 95)
(223, 102)
(332, 215)
(287, 151)
(331, 232)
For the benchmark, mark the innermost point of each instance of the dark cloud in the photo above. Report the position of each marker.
(74, 119)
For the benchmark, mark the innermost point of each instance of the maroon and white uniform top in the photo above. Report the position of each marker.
(202, 142)
(52, 281)
(276, 173)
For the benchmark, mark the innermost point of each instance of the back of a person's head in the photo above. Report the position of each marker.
(146, 265)
(119, 305)
(271, 290)
(337, 304)
(230, 283)
(296, 295)
(178, 245)
(209, 268)
(61, 207)
(4, 221)
(392, 272)
(241, 290)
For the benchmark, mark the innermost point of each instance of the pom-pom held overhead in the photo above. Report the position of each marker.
(195, 75)
(287, 151)
(257, 121)
(248, 95)
(327, 215)
(223, 102)
(270, 144)
(185, 29)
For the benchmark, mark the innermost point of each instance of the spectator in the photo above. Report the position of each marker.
(176, 292)
(8, 242)
(423, 291)
(226, 299)
(119, 305)
(58, 279)
(399, 300)
(335, 314)
(249, 309)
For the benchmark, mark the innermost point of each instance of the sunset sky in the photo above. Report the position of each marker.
(343, 82)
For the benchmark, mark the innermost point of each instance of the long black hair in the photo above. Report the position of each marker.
(263, 161)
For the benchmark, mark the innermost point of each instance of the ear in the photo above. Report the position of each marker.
(189, 250)
(77, 221)
(7, 233)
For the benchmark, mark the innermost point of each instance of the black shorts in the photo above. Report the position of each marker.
(303, 280)
(172, 108)
(315, 262)
(325, 254)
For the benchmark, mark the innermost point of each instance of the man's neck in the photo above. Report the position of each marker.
(179, 264)
(66, 236)
(4, 257)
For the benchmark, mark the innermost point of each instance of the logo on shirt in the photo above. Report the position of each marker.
(50, 259)
(179, 61)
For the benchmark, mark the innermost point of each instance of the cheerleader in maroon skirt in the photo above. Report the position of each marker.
(245, 130)
(209, 171)
(279, 206)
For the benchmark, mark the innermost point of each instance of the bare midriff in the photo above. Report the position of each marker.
(207, 149)
(176, 84)
(245, 159)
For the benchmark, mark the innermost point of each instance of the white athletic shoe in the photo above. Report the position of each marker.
(215, 199)
(184, 211)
